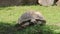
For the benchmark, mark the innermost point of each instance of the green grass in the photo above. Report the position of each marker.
(9, 16)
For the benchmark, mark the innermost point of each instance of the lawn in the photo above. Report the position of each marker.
(9, 16)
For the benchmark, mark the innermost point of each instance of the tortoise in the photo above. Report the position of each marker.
(30, 18)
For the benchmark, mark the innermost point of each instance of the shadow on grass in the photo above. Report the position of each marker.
(38, 30)
(6, 28)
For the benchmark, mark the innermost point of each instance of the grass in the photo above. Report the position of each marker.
(9, 16)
